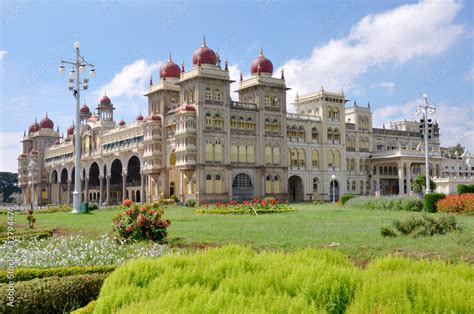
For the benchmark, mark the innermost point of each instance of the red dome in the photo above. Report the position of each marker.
(121, 123)
(139, 117)
(170, 69)
(153, 117)
(70, 130)
(186, 108)
(46, 123)
(105, 100)
(85, 109)
(34, 127)
(266, 66)
(34, 152)
(204, 55)
(22, 155)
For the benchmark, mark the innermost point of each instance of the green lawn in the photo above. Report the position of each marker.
(355, 232)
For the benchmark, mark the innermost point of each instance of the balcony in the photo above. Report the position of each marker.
(243, 105)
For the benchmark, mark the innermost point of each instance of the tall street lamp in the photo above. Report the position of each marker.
(33, 171)
(423, 110)
(333, 178)
(75, 85)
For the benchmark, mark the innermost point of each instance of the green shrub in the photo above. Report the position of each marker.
(88, 309)
(190, 202)
(30, 234)
(430, 201)
(233, 280)
(462, 188)
(345, 197)
(25, 274)
(175, 198)
(400, 285)
(399, 202)
(425, 225)
(93, 206)
(52, 294)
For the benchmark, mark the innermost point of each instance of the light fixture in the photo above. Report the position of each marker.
(82, 67)
(92, 72)
(72, 74)
(61, 69)
(77, 45)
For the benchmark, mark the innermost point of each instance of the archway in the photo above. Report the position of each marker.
(54, 187)
(62, 196)
(116, 179)
(94, 183)
(334, 190)
(242, 187)
(295, 189)
(133, 179)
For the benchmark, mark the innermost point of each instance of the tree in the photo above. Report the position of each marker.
(419, 183)
(458, 148)
(8, 184)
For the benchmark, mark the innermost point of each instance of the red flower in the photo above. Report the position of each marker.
(127, 202)
(129, 228)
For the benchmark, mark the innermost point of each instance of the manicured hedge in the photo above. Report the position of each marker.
(25, 274)
(345, 197)
(407, 203)
(239, 280)
(430, 201)
(462, 188)
(52, 294)
(243, 211)
(88, 309)
(32, 234)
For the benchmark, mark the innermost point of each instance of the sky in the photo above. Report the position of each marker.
(387, 53)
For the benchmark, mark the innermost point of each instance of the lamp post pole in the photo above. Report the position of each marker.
(333, 177)
(78, 65)
(424, 110)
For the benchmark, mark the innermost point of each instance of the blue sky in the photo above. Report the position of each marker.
(386, 52)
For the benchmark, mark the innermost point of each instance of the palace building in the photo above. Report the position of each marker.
(197, 143)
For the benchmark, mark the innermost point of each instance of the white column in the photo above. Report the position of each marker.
(401, 185)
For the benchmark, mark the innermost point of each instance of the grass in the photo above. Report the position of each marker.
(238, 280)
(355, 232)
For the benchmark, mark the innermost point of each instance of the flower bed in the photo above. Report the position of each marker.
(459, 204)
(266, 206)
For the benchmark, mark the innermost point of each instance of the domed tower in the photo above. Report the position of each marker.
(84, 113)
(105, 109)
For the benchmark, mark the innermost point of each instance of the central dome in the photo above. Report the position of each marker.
(204, 55)
(169, 69)
(105, 101)
(46, 123)
(261, 65)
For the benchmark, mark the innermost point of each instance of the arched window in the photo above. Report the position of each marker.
(315, 158)
(337, 159)
(315, 134)
(315, 185)
(208, 94)
(218, 151)
(218, 184)
(331, 158)
(361, 187)
(353, 186)
(268, 154)
(330, 113)
(234, 153)
(217, 95)
(330, 137)
(276, 184)
(301, 157)
(250, 153)
(267, 101)
(218, 121)
(276, 155)
(268, 184)
(209, 184)
(336, 135)
(208, 150)
(276, 102)
(293, 156)
(208, 119)
(242, 153)
(335, 114)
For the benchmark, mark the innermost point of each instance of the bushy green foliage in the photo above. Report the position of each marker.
(47, 210)
(463, 188)
(53, 294)
(175, 198)
(430, 201)
(425, 225)
(88, 309)
(345, 197)
(233, 280)
(419, 183)
(25, 274)
(400, 285)
(38, 234)
(268, 205)
(407, 203)
(191, 202)
(239, 280)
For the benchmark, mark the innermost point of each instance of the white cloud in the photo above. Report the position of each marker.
(456, 122)
(392, 37)
(388, 86)
(10, 148)
(2, 53)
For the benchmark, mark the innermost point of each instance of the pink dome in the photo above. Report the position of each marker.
(34, 152)
(70, 130)
(105, 101)
(170, 69)
(34, 127)
(85, 109)
(153, 117)
(204, 55)
(46, 123)
(122, 123)
(266, 66)
(139, 117)
(186, 108)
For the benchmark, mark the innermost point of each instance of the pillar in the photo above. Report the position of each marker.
(101, 189)
(408, 178)
(50, 199)
(107, 195)
(86, 188)
(59, 192)
(401, 185)
(142, 188)
(124, 186)
(69, 191)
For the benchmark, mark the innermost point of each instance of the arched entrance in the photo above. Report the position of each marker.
(116, 179)
(334, 190)
(94, 183)
(242, 187)
(295, 189)
(133, 179)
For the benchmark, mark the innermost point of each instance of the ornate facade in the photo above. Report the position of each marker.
(196, 142)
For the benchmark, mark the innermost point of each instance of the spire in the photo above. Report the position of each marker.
(170, 59)
(151, 80)
(203, 41)
(46, 114)
(226, 65)
(261, 51)
(24, 133)
(57, 129)
(182, 67)
(282, 74)
(368, 104)
(241, 78)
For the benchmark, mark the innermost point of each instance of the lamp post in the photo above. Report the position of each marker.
(78, 65)
(33, 171)
(423, 110)
(333, 178)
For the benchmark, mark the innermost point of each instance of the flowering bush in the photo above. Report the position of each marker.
(138, 223)
(265, 206)
(73, 251)
(463, 203)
